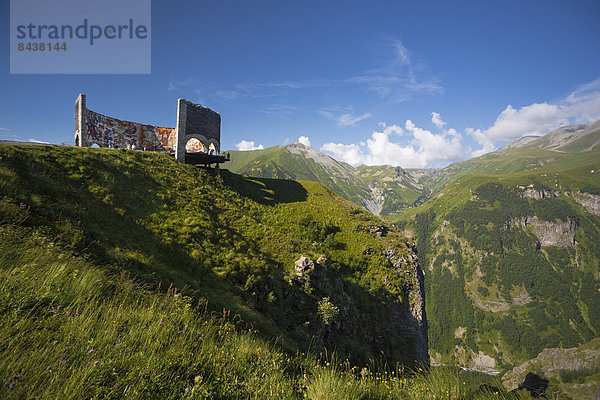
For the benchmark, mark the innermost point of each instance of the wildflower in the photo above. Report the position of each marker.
(89, 363)
(186, 391)
(70, 333)
(90, 351)
(96, 362)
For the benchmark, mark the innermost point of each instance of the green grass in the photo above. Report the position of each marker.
(71, 330)
(230, 239)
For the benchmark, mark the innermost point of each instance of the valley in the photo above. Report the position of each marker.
(508, 243)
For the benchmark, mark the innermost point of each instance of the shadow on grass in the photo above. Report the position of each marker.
(264, 190)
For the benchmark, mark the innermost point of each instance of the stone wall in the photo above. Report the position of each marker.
(202, 121)
(197, 122)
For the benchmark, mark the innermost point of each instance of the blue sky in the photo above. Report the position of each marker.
(406, 83)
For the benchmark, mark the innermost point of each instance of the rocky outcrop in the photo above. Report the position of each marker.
(303, 266)
(537, 193)
(377, 230)
(551, 363)
(405, 324)
(417, 320)
(482, 361)
(549, 233)
(375, 203)
(591, 202)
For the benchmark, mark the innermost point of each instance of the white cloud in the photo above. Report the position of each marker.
(4, 129)
(181, 84)
(437, 120)
(37, 141)
(344, 119)
(403, 55)
(286, 141)
(350, 153)
(401, 78)
(281, 110)
(351, 120)
(228, 94)
(580, 106)
(245, 145)
(423, 150)
(304, 140)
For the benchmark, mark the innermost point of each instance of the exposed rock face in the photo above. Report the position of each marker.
(557, 233)
(303, 266)
(551, 362)
(378, 230)
(483, 361)
(405, 324)
(591, 202)
(417, 321)
(538, 194)
(376, 202)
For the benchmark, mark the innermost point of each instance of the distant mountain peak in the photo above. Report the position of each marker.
(307, 151)
(520, 142)
(568, 138)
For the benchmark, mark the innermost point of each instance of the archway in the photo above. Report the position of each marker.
(212, 149)
(194, 145)
(214, 145)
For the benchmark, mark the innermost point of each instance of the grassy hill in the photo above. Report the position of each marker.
(127, 273)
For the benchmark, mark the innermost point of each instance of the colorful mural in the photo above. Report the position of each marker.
(111, 132)
(194, 146)
(199, 131)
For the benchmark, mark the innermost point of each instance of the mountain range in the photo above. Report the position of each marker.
(509, 241)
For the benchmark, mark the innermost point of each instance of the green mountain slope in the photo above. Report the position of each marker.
(509, 245)
(396, 188)
(512, 259)
(231, 240)
(299, 162)
(383, 190)
(525, 154)
(390, 191)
